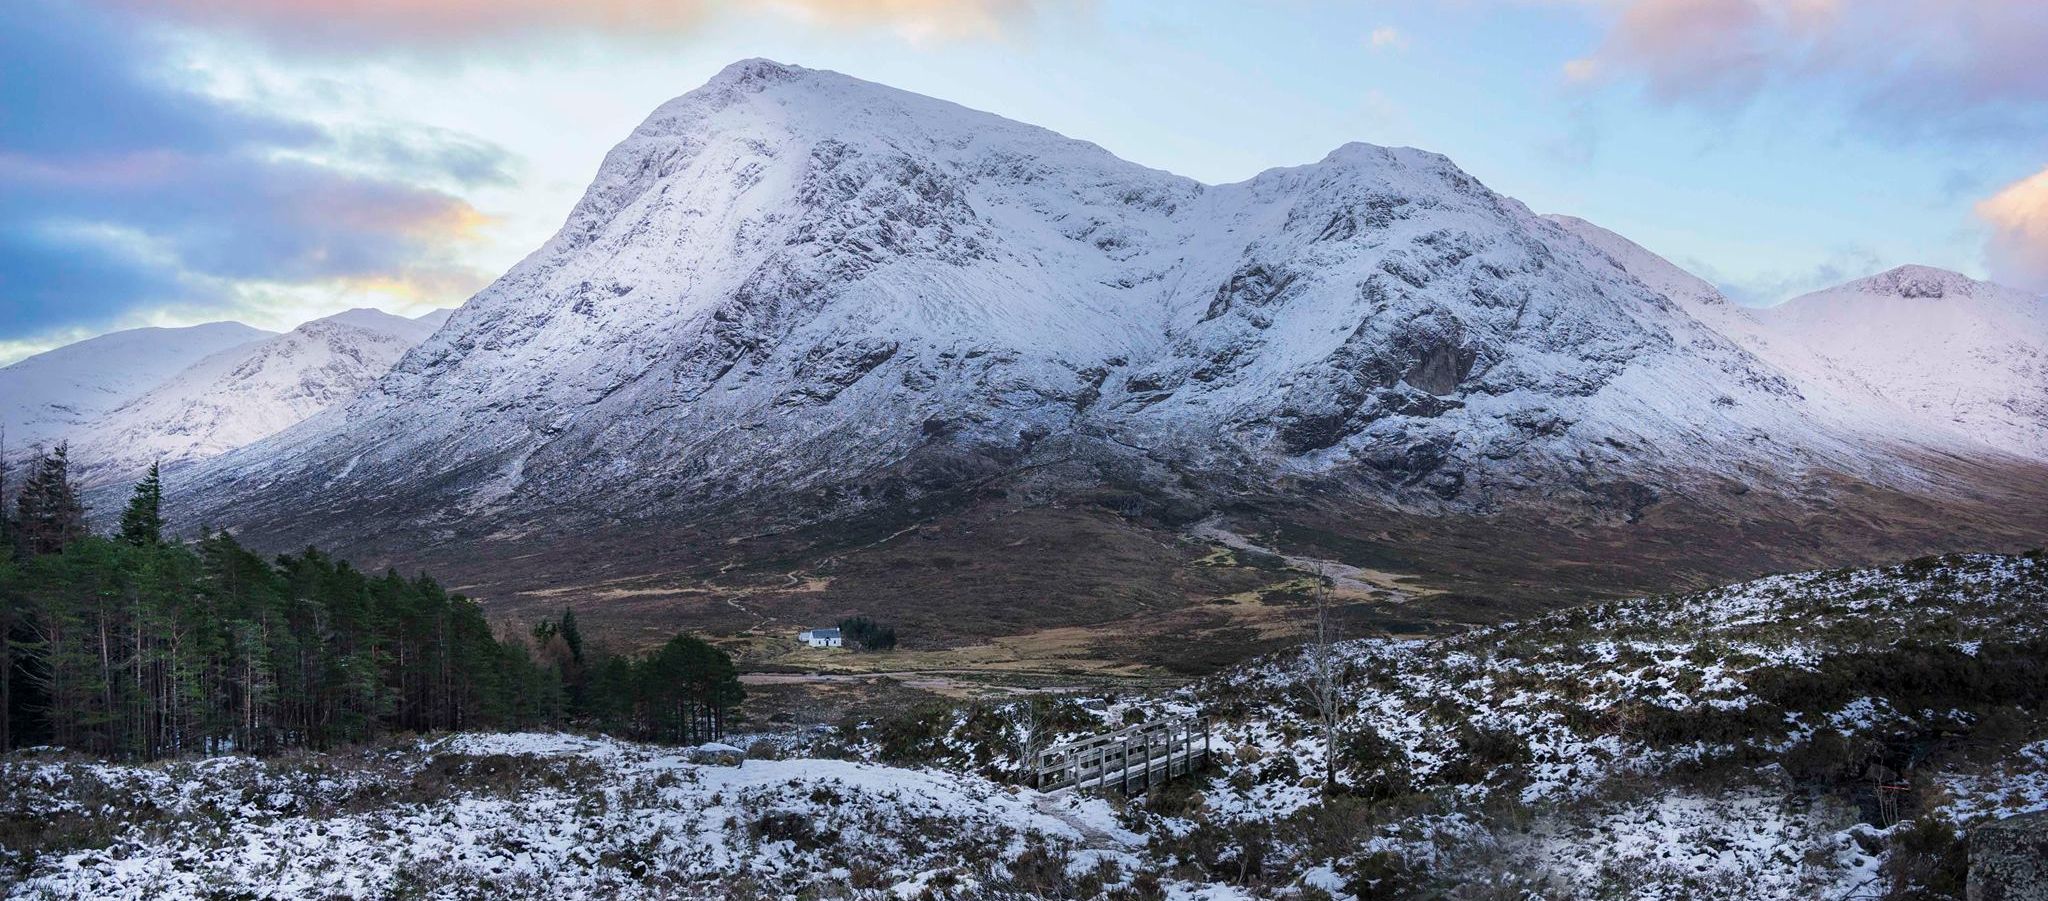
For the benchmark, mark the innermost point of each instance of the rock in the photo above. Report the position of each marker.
(715, 754)
(2009, 859)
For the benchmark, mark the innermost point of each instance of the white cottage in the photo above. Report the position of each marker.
(820, 638)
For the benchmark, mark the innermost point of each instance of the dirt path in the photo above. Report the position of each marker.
(1345, 578)
(945, 682)
(1066, 808)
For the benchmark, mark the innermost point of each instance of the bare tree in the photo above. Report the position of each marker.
(1033, 720)
(1324, 671)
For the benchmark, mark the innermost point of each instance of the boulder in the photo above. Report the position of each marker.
(2009, 859)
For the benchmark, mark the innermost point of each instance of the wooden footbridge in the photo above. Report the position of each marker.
(1131, 760)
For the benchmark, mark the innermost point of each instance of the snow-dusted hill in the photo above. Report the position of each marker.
(1967, 356)
(1812, 735)
(796, 285)
(45, 398)
(245, 393)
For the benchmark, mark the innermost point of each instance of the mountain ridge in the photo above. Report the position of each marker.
(792, 298)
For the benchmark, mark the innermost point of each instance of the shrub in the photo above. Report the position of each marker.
(1382, 875)
(1483, 749)
(915, 735)
(1041, 871)
(1370, 765)
(1927, 861)
(1825, 759)
(790, 826)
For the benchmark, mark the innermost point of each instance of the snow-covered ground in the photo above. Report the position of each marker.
(1816, 735)
(525, 815)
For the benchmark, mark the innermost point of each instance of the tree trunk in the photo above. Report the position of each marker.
(6, 686)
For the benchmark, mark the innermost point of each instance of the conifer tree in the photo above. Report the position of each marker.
(570, 635)
(6, 512)
(48, 515)
(142, 524)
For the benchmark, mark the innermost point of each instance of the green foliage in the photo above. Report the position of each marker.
(146, 650)
(7, 544)
(866, 634)
(142, 522)
(683, 691)
(1928, 861)
(571, 635)
(48, 515)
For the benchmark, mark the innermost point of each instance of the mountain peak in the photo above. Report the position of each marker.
(1364, 153)
(363, 317)
(756, 69)
(1917, 282)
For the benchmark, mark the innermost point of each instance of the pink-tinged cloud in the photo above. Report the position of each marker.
(2018, 218)
(372, 23)
(1915, 67)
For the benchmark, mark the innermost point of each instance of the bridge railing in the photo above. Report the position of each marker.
(1129, 760)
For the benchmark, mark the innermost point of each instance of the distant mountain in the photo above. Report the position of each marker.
(792, 299)
(1844, 397)
(435, 319)
(45, 398)
(244, 393)
(1953, 352)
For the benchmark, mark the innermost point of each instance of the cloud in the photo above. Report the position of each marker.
(122, 189)
(372, 24)
(1387, 37)
(1913, 68)
(2018, 218)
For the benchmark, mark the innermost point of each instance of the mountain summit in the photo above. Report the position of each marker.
(791, 296)
(1948, 352)
(1915, 281)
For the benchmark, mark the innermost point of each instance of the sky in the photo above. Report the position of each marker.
(170, 162)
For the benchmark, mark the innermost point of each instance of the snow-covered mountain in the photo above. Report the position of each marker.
(791, 295)
(790, 279)
(45, 398)
(244, 393)
(1950, 351)
(1917, 354)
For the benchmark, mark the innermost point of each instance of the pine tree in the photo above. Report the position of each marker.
(142, 524)
(570, 635)
(6, 514)
(48, 515)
